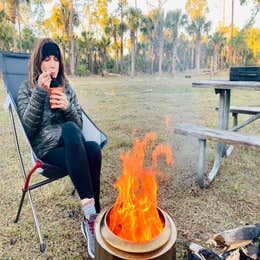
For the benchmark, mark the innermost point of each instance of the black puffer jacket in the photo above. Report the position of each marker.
(42, 124)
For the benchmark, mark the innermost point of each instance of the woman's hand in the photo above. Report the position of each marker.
(44, 80)
(58, 99)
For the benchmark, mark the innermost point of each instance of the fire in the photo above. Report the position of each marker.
(134, 216)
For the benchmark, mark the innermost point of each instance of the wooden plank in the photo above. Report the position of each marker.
(243, 110)
(219, 135)
(227, 84)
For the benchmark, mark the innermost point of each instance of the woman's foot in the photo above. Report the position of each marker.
(87, 228)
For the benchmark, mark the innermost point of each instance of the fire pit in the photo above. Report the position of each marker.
(134, 227)
(110, 246)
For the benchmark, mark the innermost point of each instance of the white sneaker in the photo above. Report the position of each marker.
(87, 228)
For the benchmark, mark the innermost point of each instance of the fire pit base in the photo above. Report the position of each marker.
(105, 251)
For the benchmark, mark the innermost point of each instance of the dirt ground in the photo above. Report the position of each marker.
(125, 108)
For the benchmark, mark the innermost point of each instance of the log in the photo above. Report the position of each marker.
(192, 256)
(203, 253)
(235, 255)
(238, 237)
(251, 251)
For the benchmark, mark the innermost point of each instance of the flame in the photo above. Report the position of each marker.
(134, 216)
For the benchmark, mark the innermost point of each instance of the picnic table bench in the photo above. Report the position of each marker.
(221, 134)
(215, 134)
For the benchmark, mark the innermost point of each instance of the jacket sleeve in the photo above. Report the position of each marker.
(30, 105)
(73, 112)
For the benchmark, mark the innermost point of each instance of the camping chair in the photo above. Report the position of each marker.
(15, 68)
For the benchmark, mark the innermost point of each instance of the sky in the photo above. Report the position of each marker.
(241, 14)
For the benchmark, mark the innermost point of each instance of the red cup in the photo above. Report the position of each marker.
(53, 101)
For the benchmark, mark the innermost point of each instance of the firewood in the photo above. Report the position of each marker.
(251, 251)
(235, 255)
(203, 253)
(238, 237)
(192, 256)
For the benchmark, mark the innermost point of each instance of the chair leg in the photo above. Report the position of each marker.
(42, 244)
(20, 207)
(36, 222)
(27, 189)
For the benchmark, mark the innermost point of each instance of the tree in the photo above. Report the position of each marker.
(174, 20)
(133, 18)
(6, 32)
(112, 28)
(62, 20)
(122, 29)
(197, 9)
(28, 39)
(102, 48)
(199, 26)
(255, 10)
(217, 40)
(253, 41)
(12, 7)
(147, 29)
(158, 20)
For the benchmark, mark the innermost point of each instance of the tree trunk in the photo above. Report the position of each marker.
(121, 53)
(71, 40)
(160, 55)
(115, 40)
(132, 36)
(174, 53)
(90, 61)
(19, 29)
(14, 38)
(192, 54)
(198, 55)
(152, 55)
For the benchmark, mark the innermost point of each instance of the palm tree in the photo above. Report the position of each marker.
(198, 27)
(174, 20)
(133, 18)
(62, 20)
(147, 29)
(102, 45)
(87, 43)
(5, 32)
(13, 15)
(112, 28)
(121, 32)
(158, 18)
(122, 29)
(218, 40)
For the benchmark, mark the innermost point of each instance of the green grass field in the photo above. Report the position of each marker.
(125, 108)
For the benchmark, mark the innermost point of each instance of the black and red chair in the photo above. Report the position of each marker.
(14, 68)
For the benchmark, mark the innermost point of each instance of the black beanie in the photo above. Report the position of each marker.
(50, 48)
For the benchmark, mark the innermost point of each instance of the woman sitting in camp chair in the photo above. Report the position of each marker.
(52, 119)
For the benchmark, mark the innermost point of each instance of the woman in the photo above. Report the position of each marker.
(53, 124)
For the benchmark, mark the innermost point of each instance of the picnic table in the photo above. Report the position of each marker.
(223, 135)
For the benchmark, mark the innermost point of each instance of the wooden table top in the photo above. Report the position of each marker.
(227, 84)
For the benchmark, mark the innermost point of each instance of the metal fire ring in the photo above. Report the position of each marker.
(136, 247)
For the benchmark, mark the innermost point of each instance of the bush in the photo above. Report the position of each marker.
(81, 70)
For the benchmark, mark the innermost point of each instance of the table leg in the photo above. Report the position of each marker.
(223, 118)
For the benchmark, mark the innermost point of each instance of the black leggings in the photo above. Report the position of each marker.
(80, 159)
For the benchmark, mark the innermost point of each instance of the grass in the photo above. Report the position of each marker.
(125, 108)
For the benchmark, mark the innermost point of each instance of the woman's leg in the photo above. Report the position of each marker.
(71, 155)
(95, 159)
(80, 162)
